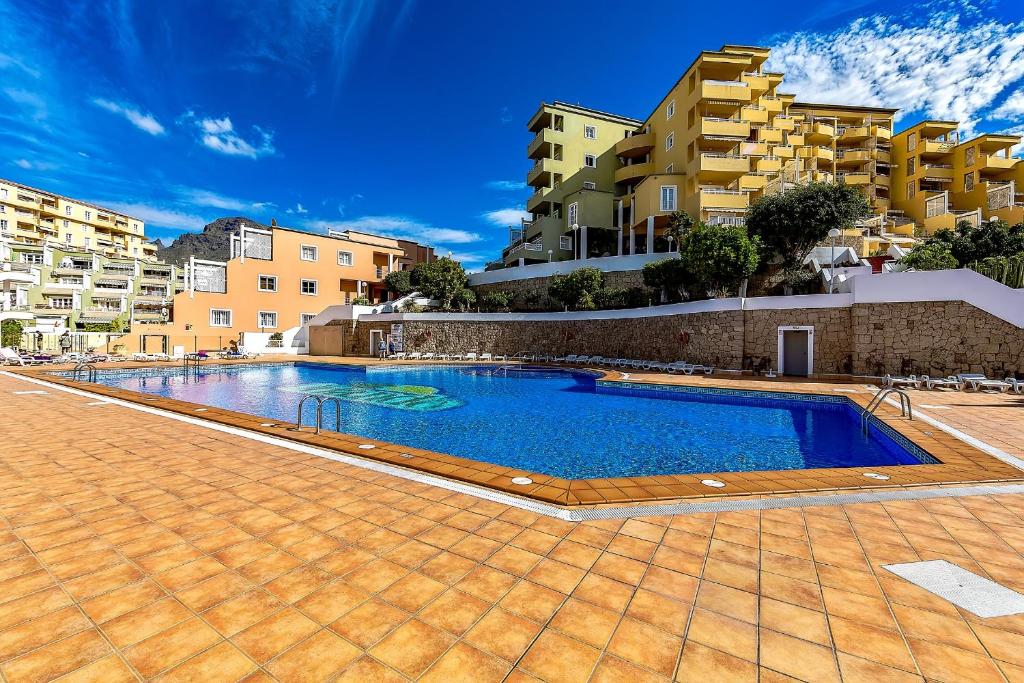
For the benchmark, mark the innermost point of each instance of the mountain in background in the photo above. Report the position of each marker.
(213, 243)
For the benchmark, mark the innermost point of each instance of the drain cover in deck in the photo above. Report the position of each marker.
(971, 592)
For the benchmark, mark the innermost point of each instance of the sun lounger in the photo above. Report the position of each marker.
(680, 366)
(456, 356)
(397, 356)
(11, 357)
(571, 358)
(486, 357)
(429, 356)
(897, 382)
(941, 382)
(978, 382)
(1016, 384)
(415, 355)
(580, 360)
(472, 356)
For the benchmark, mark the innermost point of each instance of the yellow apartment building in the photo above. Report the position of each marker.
(573, 178)
(723, 135)
(36, 217)
(940, 178)
(275, 281)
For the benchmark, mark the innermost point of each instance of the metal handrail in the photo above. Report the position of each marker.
(191, 360)
(321, 401)
(869, 409)
(88, 368)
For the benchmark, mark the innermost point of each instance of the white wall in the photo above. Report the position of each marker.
(607, 264)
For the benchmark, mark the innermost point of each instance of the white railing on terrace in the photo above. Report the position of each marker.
(726, 220)
(723, 155)
(738, 84)
(533, 246)
(936, 165)
(715, 190)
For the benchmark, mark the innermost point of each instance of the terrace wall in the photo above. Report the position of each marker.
(537, 288)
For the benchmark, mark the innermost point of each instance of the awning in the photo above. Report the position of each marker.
(96, 318)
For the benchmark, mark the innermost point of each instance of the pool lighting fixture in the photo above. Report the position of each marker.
(876, 475)
(406, 455)
(713, 483)
(366, 446)
(522, 481)
(200, 410)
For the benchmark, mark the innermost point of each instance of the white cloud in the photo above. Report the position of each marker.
(31, 102)
(1012, 108)
(220, 136)
(201, 197)
(36, 165)
(505, 217)
(156, 215)
(944, 60)
(506, 185)
(298, 209)
(144, 122)
(23, 163)
(398, 227)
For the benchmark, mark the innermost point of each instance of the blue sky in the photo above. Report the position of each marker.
(408, 117)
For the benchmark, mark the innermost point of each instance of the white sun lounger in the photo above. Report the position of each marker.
(896, 382)
(472, 356)
(429, 356)
(571, 358)
(977, 382)
(415, 355)
(940, 382)
(11, 357)
(397, 356)
(486, 356)
(1016, 384)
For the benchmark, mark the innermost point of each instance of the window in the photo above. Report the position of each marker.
(135, 251)
(267, 319)
(912, 142)
(590, 132)
(307, 287)
(910, 189)
(3, 192)
(67, 224)
(668, 169)
(36, 259)
(304, 318)
(86, 242)
(589, 185)
(3, 224)
(220, 317)
(307, 253)
(911, 166)
(67, 238)
(135, 227)
(971, 156)
(88, 215)
(67, 210)
(3, 209)
(574, 213)
(267, 283)
(345, 258)
(590, 161)
(670, 110)
(669, 141)
(668, 197)
(565, 243)
(969, 182)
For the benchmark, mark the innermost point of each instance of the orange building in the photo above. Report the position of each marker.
(275, 282)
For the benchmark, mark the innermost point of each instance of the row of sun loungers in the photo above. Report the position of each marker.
(677, 367)
(416, 355)
(961, 382)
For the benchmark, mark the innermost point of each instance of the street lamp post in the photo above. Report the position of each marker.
(833, 233)
(670, 244)
(551, 253)
(575, 245)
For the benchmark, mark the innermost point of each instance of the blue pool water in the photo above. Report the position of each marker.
(562, 423)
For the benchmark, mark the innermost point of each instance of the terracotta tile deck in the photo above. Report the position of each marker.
(137, 547)
(959, 461)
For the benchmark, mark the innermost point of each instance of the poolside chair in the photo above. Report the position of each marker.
(1016, 384)
(399, 355)
(597, 360)
(580, 360)
(942, 382)
(486, 357)
(415, 355)
(429, 356)
(571, 358)
(500, 357)
(896, 382)
(978, 382)
(679, 366)
(11, 357)
(472, 356)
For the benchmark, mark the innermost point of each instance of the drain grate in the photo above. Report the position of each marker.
(966, 590)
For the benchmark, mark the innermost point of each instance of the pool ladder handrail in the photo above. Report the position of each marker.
(869, 410)
(321, 401)
(191, 360)
(88, 368)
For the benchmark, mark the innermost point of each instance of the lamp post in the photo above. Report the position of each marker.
(575, 228)
(833, 233)
(670, 244)
(551, 253)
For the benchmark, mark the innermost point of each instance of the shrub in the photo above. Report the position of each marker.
(930, 256)
(360, 301)
(500, 301)
(610, 297)
(442, 279)
(399, 282)
(670, 277)
(10, 333)
(577, 289)
(464, 299)
(719, 257)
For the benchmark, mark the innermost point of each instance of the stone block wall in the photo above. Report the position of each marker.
(934, 338)
(832, 336)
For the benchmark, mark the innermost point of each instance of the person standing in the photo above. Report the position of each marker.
(65, 343)
(391, 347)
(382, 349)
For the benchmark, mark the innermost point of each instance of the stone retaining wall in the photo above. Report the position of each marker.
(537, 288)
(935, 338)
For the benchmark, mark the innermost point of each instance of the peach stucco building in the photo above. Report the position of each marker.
(275, 281)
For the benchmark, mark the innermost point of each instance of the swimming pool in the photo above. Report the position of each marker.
(565, 423)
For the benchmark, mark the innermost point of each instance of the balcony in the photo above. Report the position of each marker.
(996, 163)
(538, 202)
(770, 135)
(881, 132)
(540, 174)
(883, 180)
(784, 151)
(786, 123)
(883, 155)
(756, 82)
(711, 125)
(635, 145)
(819, 132)
(769, 165)
(851, 156)
(723, 165)
(797, 139)
(633, 172)
(723, 199)
(941, 173)
(541, 145)
(731, 91)
(754, 113)
(772, 104)
(936, 147)
(753, 182)
(754, 149)
(855, 178)
(855, 133)
(819, 153)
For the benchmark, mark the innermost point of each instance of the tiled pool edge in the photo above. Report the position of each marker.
(562, 492)
(570, 514)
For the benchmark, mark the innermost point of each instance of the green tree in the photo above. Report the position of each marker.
(464, 299)
(792, 223)
(679, 223)
(930, 256)
(719, 257)
(361, 301)
(399, 282)
(442, 279)
(10, 333)
(670, 277)
(968, 243)
(577, 289)
(499, 301)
